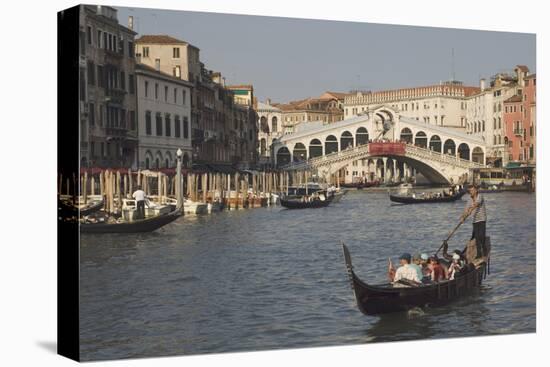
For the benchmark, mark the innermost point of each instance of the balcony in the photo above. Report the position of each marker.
(119, 133)
(115, 95)
(518, 132)
(112, 57)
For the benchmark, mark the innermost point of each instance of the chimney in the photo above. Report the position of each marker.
(131, 22)
(268, 101)
(482, 84)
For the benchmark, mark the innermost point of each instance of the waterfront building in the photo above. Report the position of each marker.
(107, 89)
(442, 105)
(520, 122)
(485, 113)
(326, 108)
(270, 128)
(223, 132)
(164, 118)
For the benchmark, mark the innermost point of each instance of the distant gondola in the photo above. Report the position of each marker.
(420, 200)
(137, 226)
(297, 203)
(385, 298)
(72, 210)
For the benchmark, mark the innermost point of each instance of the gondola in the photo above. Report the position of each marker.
(72, 210)
(296, 203)
(419, 200)
(386, 298)
(137, 226)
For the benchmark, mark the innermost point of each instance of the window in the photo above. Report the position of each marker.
(91, 73)
(131, 87)
(82, 84)
(105, 42)
(145, 52)
(499, 123)
(177, 126)
(100, 115)
(91, 114)
(100, 77)
(165, 93)
(110, 42)
(131, 52)
(89, 34)
(185, 127)
(99, 38)
(167, 125)
(123, 80)
(156, 91)
(177, 71)
(183, 97)
(176, 53)
(159, 124)
(132, 117)
(157, 64)
(175, 95)
(148, 130)
(146, 89)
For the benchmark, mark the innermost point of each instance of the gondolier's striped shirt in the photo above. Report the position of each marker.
(480, 213)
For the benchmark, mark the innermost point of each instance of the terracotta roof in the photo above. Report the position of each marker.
(240, 86)
(337, 95)
(513, 99)
(522, 67)
(159, 39)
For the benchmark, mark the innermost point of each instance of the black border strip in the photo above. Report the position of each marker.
(68, 145)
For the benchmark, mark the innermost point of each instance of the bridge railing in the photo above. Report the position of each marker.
(384, 148)
(447, 158)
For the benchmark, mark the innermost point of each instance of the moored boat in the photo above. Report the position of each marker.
(386, 298)
(414, 199)
(302, 203)
(135, 226)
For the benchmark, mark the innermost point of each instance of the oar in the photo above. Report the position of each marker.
(450, 235)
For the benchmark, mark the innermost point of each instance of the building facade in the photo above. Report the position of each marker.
(107, 89)
(520, 122)
(327, 108)
(164, 118)
(486, 109)
(441, 105)
(269, 129)
(223, 131)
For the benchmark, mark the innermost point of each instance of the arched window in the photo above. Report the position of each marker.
(274, 126)
(299, 153)
(464, 151)
(421, 140)
(262, 147)
(449, 147)
(283, 156)
(435, 143)
(331, 144)
(315, 148)
(361, 136)
(346, 140)
(406, 135)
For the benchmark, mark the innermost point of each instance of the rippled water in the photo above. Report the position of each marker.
(274, 278)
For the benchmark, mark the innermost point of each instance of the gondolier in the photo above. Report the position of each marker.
(139, 195)
(477, 207)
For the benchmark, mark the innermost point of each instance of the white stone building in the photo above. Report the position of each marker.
(164, 118)
(269, 128)
(441, 105)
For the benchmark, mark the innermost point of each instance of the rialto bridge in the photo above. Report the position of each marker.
(381, 145)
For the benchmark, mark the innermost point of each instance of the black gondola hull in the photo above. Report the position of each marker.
(138, 226)
(381, 299)
(296, 204)
(411, 200)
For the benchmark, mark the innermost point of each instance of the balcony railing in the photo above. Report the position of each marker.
(518, 132)
(115, 95)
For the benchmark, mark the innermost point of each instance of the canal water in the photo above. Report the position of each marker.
(273, 278)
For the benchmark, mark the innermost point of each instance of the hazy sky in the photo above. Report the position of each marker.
(287, 59)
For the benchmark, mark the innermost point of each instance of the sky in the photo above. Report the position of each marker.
(289, 59)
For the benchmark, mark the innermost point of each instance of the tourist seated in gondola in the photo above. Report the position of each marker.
(417, 265)
(456, 266)
(405, 272)
(437, 272)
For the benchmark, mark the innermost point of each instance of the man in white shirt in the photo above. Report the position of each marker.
(406, 271)
(139, 196)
